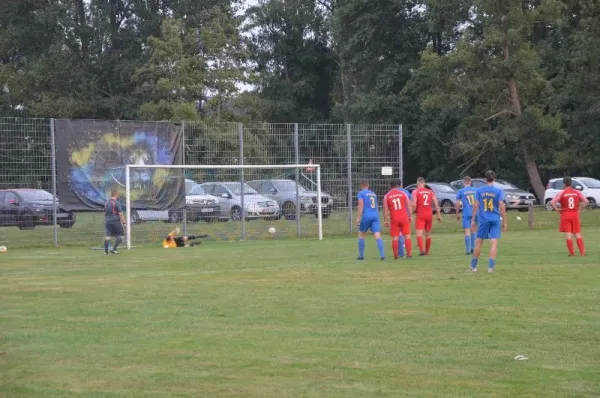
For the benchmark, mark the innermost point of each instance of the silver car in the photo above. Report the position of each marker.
(284, 192)
(230, 199)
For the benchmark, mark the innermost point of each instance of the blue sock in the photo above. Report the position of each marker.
(474, 262)
(491, 263)
(361, 247)
(473, 239)
(380, 247)
(468, 243)
(401, 246)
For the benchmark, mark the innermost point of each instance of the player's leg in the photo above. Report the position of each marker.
(118, 233)
(466, 224)
(362, 230)
(570, 246)
(420, 226)
(482, 233)
(401, 245)
(376, 229)
(395, 235)
(577, 232)
(428, 226)
(106, 243)
(494, 236)
(566, 227)
(407, 241)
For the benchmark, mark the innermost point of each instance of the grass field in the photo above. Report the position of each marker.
(302, 318)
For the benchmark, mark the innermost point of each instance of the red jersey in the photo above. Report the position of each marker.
(424, 199)
(398, 204)
(569, 200)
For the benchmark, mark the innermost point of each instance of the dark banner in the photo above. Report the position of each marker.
(91, 157)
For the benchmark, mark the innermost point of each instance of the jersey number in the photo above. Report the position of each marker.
(426, 200)
(397, 204)
(571, 203)
(372, 202)
(470, 200)
(488, 204)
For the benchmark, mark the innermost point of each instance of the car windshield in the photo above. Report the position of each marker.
(591, 183)
(289, 186)
(35, 195)
(505, 185)
(236, 188)
(443, 188)
(197, 190)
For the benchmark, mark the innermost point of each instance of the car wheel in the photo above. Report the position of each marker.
(591, 204)
(548, 205)
(289, 210)
(66, 225)
(236, 214)
(135, 217)
(325, 213)
(28, 221)
(175, 217)
(447, 207)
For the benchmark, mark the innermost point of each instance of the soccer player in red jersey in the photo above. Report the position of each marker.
(571, 202)
(423, 201)
(396, 215)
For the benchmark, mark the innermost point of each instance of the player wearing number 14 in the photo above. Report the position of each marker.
(571, 201)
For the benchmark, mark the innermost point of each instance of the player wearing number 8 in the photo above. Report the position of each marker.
(571, 202)
(423, 200)
(490, 210)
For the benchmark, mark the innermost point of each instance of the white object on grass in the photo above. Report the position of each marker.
(3, 249)
(521, 357)
(519, 218)
(272, 230)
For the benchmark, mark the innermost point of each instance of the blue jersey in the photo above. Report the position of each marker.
(369, 204)
(467, 198)
(489, 198)
(406, 192)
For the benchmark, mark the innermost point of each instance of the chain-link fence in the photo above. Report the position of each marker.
(346, 153)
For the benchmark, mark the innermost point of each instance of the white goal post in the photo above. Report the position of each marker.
(130, 167)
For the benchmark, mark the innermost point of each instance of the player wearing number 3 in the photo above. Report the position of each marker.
(396, 211)
(491, 211)
(571, 201)
(368, 219)
(422, 200)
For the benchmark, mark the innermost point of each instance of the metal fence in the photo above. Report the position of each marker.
(346, 153)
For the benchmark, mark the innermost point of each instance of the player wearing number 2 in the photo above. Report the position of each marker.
(465, 198)
(571, 201)
(423, 200)
(396, 210)
(368, 219)
(490, 211)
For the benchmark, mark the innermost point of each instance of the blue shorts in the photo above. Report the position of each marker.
(489, 230)
(371, 223)
(466, 221)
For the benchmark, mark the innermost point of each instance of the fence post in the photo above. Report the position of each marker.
(530, 216)
(400, 154)
(349, 167)
(184, 185)
(297, 174)
(241, 163)
(53, 157)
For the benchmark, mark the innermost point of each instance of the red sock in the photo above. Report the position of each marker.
(427, 245)
(570, 247)
(408, 245)
(581, 246)
(395, 245)
(420, 243)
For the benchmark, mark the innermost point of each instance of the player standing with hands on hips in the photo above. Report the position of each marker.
(490, 211)
(113, 222)
(571, 202)
(423, 201)
(368, 219)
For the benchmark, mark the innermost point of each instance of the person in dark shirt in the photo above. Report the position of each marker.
(113, 222)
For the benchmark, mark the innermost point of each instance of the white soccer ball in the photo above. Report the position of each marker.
(272, 230)
(3, 249)
(519, 218)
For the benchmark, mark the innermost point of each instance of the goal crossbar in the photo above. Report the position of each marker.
(129, 167)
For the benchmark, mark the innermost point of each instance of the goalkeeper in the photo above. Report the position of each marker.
(173, 241)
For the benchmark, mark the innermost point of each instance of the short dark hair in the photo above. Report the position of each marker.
(114, 192)
(490, 176)
(466, 179)
(364, 183)
(420, 180)
(394, 184)
(567, 181)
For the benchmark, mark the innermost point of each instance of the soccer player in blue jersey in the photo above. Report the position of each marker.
(491, 217)
(401, 239)
(465, 198)
(368, 219)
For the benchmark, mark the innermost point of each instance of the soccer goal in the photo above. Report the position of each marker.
(225, 202)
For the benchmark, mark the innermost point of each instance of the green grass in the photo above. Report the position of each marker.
(302, 318)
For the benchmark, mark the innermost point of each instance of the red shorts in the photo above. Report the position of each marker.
(570, 225)
(424, 224)
(401, 226)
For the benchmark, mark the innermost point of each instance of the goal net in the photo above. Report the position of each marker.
(224, 202)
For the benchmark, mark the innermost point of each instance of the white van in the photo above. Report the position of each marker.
(589, 186)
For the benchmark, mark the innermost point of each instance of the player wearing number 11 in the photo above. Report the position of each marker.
(571, 201)
(396, 211)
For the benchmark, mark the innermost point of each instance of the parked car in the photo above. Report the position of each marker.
(28, 208)
(590, 187)
(445, 194)
(284, 193)
(198, 205)
(515, 198)
(230, 199)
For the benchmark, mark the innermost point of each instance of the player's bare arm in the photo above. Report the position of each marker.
(554, 201)
(386, 210)
(583, 203)
(438, 210)
(475, 210)
(458, 208)
(503, 215)
(361, 206)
